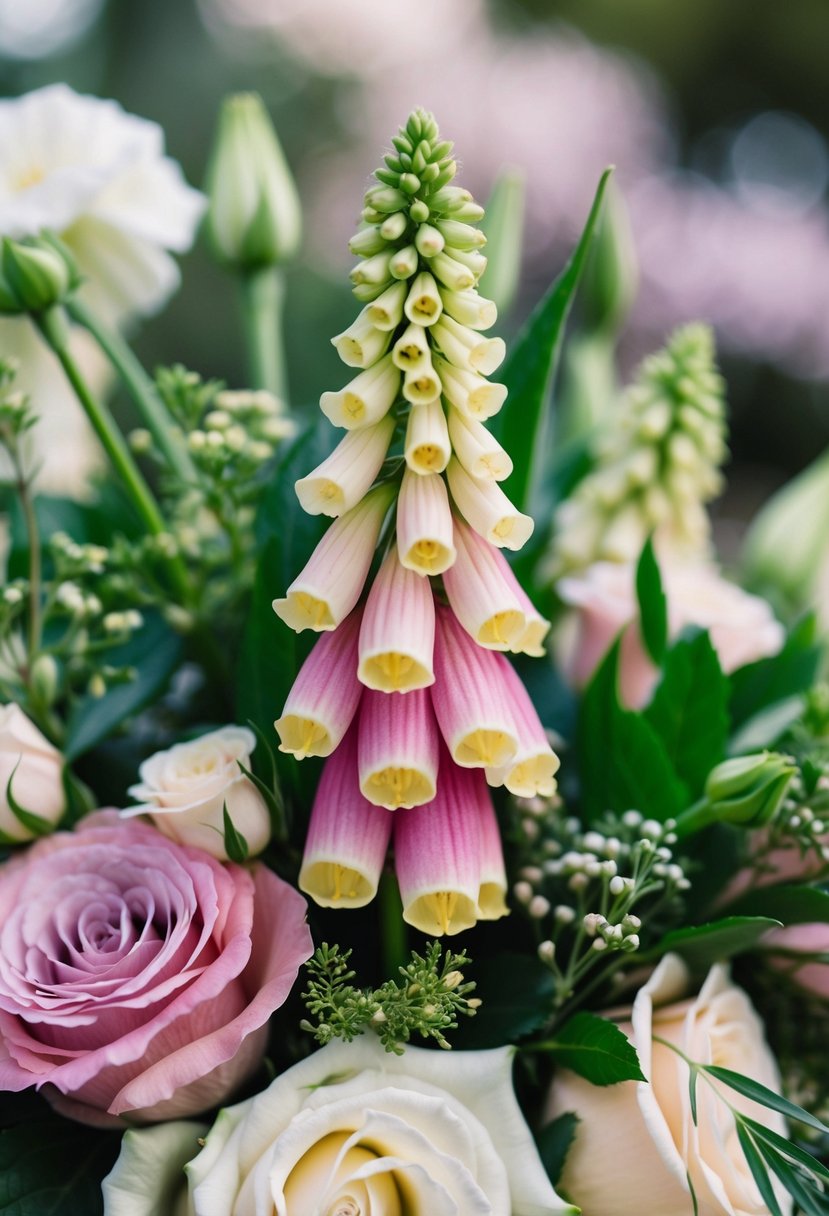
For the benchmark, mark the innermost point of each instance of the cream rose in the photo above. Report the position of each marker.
(35, 769)
(353, 1131)
(742, 626)
(636, 1144)
(184, 791)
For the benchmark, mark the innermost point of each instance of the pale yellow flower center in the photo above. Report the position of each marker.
(491, 748)
(395, 786)
(32, 176)
(501, 628)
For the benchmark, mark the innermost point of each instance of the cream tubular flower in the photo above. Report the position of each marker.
(531, 641)
(477, 449)
(469, 701)
(372, 272)
(366, 399)
(427, 448)
(386, 312)
(485, 506)
(330, 584)
(532, 769)
(354, 1128)
(325, 694)
(347, 837)
(468, 308)
(362, 344)
(421, 384)
(411, 350)
(470, 393)
(425, 541)
(338, 484)
(185, 791)
(398, 748)
(437, 851)
(645, 1129)
(423, 303)
(480, 595)
(397, 637)
(452, 273)
(466, 348)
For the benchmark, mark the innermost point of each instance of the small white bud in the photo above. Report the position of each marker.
(651, 828)
(547, 951)
(617, 885)
(12, 595)
(631, 819)
(564, 914)
(523, 892)
(599, 944)
(538, 907)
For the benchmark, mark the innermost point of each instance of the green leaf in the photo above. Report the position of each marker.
(236, 846)
(54, 1168)
(702, 945)
(693, 1077)
(758, 1169)
(791, 905)
(792, 671)
(689, 709)
(35, 824)
(789, 1149)
(623, 762)
(810, 1199)
(596, 1049)
(554, 1142)
(764, 1096)
(653, 606)
(530, 369)
(517, 992)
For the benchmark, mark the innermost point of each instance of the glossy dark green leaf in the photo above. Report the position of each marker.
(236, 846)
(523, 424)
(154, 651)
(596, 1049)
(54, 1168)
(623, 763)
(758, 1169)
(653, 606)
(554, 1142)
(789, 1149)
(791, 905)
(784, 675)
(689, 710)
(702, 945)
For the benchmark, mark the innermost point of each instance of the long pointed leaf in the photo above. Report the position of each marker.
(758, 1170)
(764, 1096)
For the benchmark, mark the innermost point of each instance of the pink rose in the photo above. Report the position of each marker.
(137, 975)
(742, 626)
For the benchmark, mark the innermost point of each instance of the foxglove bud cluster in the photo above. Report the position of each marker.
(657, 467)
(407, 694)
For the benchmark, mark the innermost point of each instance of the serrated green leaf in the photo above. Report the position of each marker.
(758, 1170)
(154, 651)
(554, 1142)
(689, 709)
(596, 1049)
(236, 846)
(784, 675)
(54, 1168)
(702, 945)
(791, 905)
(523, 422)
(653, 606)
(764, 1096)
(623, 762)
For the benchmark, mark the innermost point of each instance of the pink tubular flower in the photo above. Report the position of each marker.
(481, 596)
(438, 856)
(468, 696)
(532, 769)
(330, 584)
(492, 892)
(424, 524)
(485, 506)
(345, 476)
(325, 694)
(536, 628)
(347, 836)
(398, 748)
(137, 975)
(397, 637)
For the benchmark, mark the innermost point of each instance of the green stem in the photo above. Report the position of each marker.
(262, 295)
(392, 926)
(139, 386)
(24, 491)
(695, 818)
(53, 327)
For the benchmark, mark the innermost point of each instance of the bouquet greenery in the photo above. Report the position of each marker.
(291, 699)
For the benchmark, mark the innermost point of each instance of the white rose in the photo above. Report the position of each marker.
(742, 626)
(185, 790)
(636, 1144)
(35, 769)
(354, 1131)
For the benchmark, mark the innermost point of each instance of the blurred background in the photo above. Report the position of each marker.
(715, 115)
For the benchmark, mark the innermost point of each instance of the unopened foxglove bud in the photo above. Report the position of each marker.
(37, 273)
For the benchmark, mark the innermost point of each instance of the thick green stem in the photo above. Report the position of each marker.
(392, 926)
(139, 386)
(53, 327)
(701, 815)
(262, 296)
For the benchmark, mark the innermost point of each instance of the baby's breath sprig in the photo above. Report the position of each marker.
(581, 888)
(428, 999)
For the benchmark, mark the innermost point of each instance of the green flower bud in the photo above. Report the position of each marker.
(45, 678)
(611, 277)
(746, 791)
(36, 274)
(254, 217)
